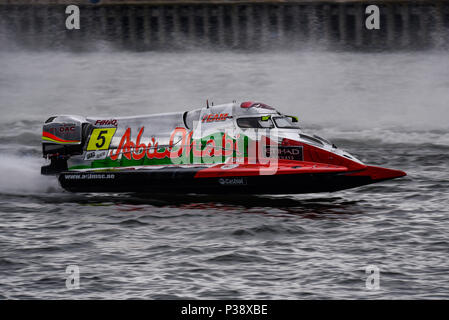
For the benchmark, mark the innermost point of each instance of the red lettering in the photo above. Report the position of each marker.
(214, 117)
(139, 150)
(153, 150)
(161, 155)
(106, 122)
(124, 143)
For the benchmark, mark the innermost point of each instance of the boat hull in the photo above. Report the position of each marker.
(215, 180)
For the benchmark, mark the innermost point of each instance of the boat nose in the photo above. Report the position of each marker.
(379, 173)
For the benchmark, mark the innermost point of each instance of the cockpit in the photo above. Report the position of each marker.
(268, 121)
(254, 122)
(286, 122)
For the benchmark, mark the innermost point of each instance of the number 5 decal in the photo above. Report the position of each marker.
(100, 139)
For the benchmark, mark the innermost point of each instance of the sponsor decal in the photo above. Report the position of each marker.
(89, 176)
(96, 155)
(181, 148)
(214, 117)
(232, 181)
(288, 152)
(100, 139)
(110, 122)
(137, 150)
(62, 128)
(66, 133)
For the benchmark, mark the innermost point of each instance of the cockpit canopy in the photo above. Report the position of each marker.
(248, 114)
(281, 122)
(254, 122)
(286, 122)
(268, 117)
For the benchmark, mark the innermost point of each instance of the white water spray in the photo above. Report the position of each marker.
(21, 175)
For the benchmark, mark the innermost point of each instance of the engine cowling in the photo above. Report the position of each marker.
(62, 137)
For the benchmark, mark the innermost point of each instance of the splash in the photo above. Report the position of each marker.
(21, 175)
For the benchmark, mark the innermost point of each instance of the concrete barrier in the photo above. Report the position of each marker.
(225, 24)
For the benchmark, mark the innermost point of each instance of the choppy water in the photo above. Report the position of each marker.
(387, 109)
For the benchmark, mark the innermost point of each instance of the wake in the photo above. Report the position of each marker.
(21, 175)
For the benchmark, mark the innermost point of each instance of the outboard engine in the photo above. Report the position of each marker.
(62, 137)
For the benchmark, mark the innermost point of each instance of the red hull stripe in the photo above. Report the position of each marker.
(283, 167)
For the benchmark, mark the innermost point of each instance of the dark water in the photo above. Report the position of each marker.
(387, 109)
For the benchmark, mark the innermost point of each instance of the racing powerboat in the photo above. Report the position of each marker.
(239, 148)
